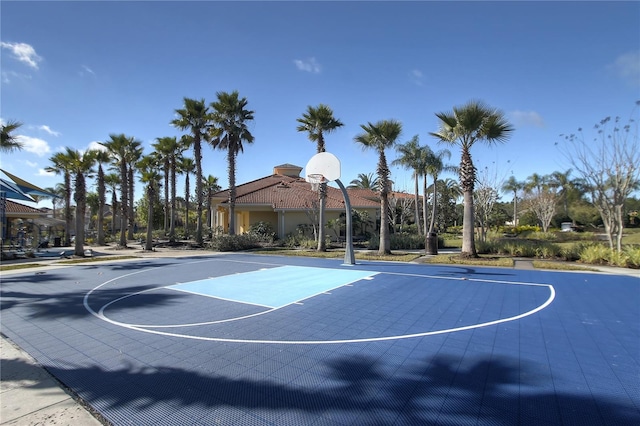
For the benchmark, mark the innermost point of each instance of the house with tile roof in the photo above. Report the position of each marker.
(286, 201)
(20, 218)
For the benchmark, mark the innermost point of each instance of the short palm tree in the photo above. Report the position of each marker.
(195, 118)
(112, 181)
(119, 147)
(211, 186)
(435, 166)
(410, 158)
(149, 166)
(464, 126)
(317, 121)
(380, 136)
(514, 186)
(81, 165)
(8, 141)
(61, 164)
(230, 117)
(365, 181)
(186, 166)
(101, 157)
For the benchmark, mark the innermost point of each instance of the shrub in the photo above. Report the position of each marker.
(299, 240)
(233, 242)
(263, 231)
(595, 254)
(403, 241)
(633, 256)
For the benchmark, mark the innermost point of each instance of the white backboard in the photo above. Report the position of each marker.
(325, 164)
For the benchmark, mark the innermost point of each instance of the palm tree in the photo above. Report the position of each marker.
(435, 166)
(365, 181)
(80, 166)
(380, 136)
(410, 158)
(195, 118)
(317, 121)
(149, 165)
(464, 126)
(61, 164)
(230, 118)
(186, 166)
(166, 149)
(101, 157)
(119, 146)
(211, 186)
(134, 153)
(112, 180)
(9, 142)
(513, 185)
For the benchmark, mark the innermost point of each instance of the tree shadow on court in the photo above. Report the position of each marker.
(348, 390)
(457, 271)
(71, 304)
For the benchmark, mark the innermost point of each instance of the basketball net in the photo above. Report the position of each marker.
(315, 179)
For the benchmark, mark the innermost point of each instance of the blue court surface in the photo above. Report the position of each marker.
(264, 340)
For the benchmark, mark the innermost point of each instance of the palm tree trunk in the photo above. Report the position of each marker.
(79, 198)
(416, 203)
(172, 225)
(424, 204)
(132, 218)
(124, 200)
(231, 160)
(67, 209)
(186, 205)
(150, 194)
(385, 243)
(434, 205)
(468, 242)
(101, 202)
(198, 154)
(166, 199)
(515, 209)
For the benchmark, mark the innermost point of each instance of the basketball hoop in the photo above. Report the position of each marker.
(315, 179)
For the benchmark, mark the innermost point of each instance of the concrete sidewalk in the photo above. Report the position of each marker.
(31, 396)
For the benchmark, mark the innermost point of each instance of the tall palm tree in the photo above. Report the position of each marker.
(410, 158)
(119, 146)
(230, 118)
(149, 165)
(101, 157)
(8, 141)
(134, 153)
(112, 180)
(380, 136)
(211, 186)
(365, 181)
(514, 186)
(464, 126)
(317, 121)
(195, 118)
(61, 164)
(81, 165)
(186, 166)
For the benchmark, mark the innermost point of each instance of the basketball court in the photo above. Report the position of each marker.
(268, 340)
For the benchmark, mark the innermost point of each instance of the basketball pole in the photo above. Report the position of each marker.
(349, 258)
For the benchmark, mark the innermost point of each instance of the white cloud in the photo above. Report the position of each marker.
(35, 145)
(24, 53)
(43, 172)
(95, 145)
(308, 65)
(9, 76)
(416, 77)
(627, 67)
(31, 163)
(48, 130)
(526, 118)
(86, 70)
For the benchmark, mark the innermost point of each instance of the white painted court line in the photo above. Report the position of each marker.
(146, 328)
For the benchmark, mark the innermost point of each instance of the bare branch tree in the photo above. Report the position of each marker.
(541, 195)
(609, 164)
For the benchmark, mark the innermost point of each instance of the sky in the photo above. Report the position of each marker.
(75, 72)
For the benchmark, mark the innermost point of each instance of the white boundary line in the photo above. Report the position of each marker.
(100, 315)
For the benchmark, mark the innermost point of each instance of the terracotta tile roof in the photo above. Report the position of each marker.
(288, 193)
(14, 208)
